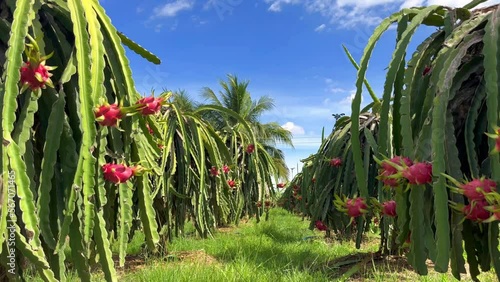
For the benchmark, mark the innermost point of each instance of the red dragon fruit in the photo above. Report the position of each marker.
(226, 169)
(231, 183)
(418, 173)
(150, 105)
(117, 173)
(356, 207)
(389, 208)
(250, 148)
(320, 225)
(397, 160)
(214, 171)
(280, 185)
(36, 76)
(476, 211)
(389, 170)
(108, 115)
(475, 189)
(335, 162)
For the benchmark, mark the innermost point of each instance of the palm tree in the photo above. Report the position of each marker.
(236, 97)
(183, 102)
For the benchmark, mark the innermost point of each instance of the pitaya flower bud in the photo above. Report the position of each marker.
(320, 225)
(476, 211)
(108, 115)
(139, 170)
(267, 203)
(117, 173)
(495, 136)
(258, 204)
(214, 171)
(226, 169)
(149, 129)
(250, 148)
(426, 71)
(299, 198)
(389, 208)
(476, 189)
(408, 239)
(313, 180)
(150, 105)
(418, 173)
(335, 162)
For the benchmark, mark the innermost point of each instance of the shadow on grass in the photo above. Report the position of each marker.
(282, 235)
(283, 248)
(361, 266)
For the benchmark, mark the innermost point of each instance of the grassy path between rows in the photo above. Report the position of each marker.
(281, 249)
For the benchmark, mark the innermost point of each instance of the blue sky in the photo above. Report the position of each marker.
(290, 50)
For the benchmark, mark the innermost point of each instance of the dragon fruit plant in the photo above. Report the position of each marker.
(71, 156)
(425, 126)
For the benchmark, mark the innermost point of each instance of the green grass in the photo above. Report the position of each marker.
(276, 250)
(280, 249)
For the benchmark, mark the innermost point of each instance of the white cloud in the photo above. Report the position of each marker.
(460, 3)
(343, 105)
(351, 13)
(336, 90)
(158, 27)
(293, 128)
(171, 9)
(364, 3)
(320, 28)
(197, 20)
(277, 4)
(332, 86)
(412, 3)
(307, 141)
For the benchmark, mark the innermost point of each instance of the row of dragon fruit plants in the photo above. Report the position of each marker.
(87, 161)
(423, 160)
